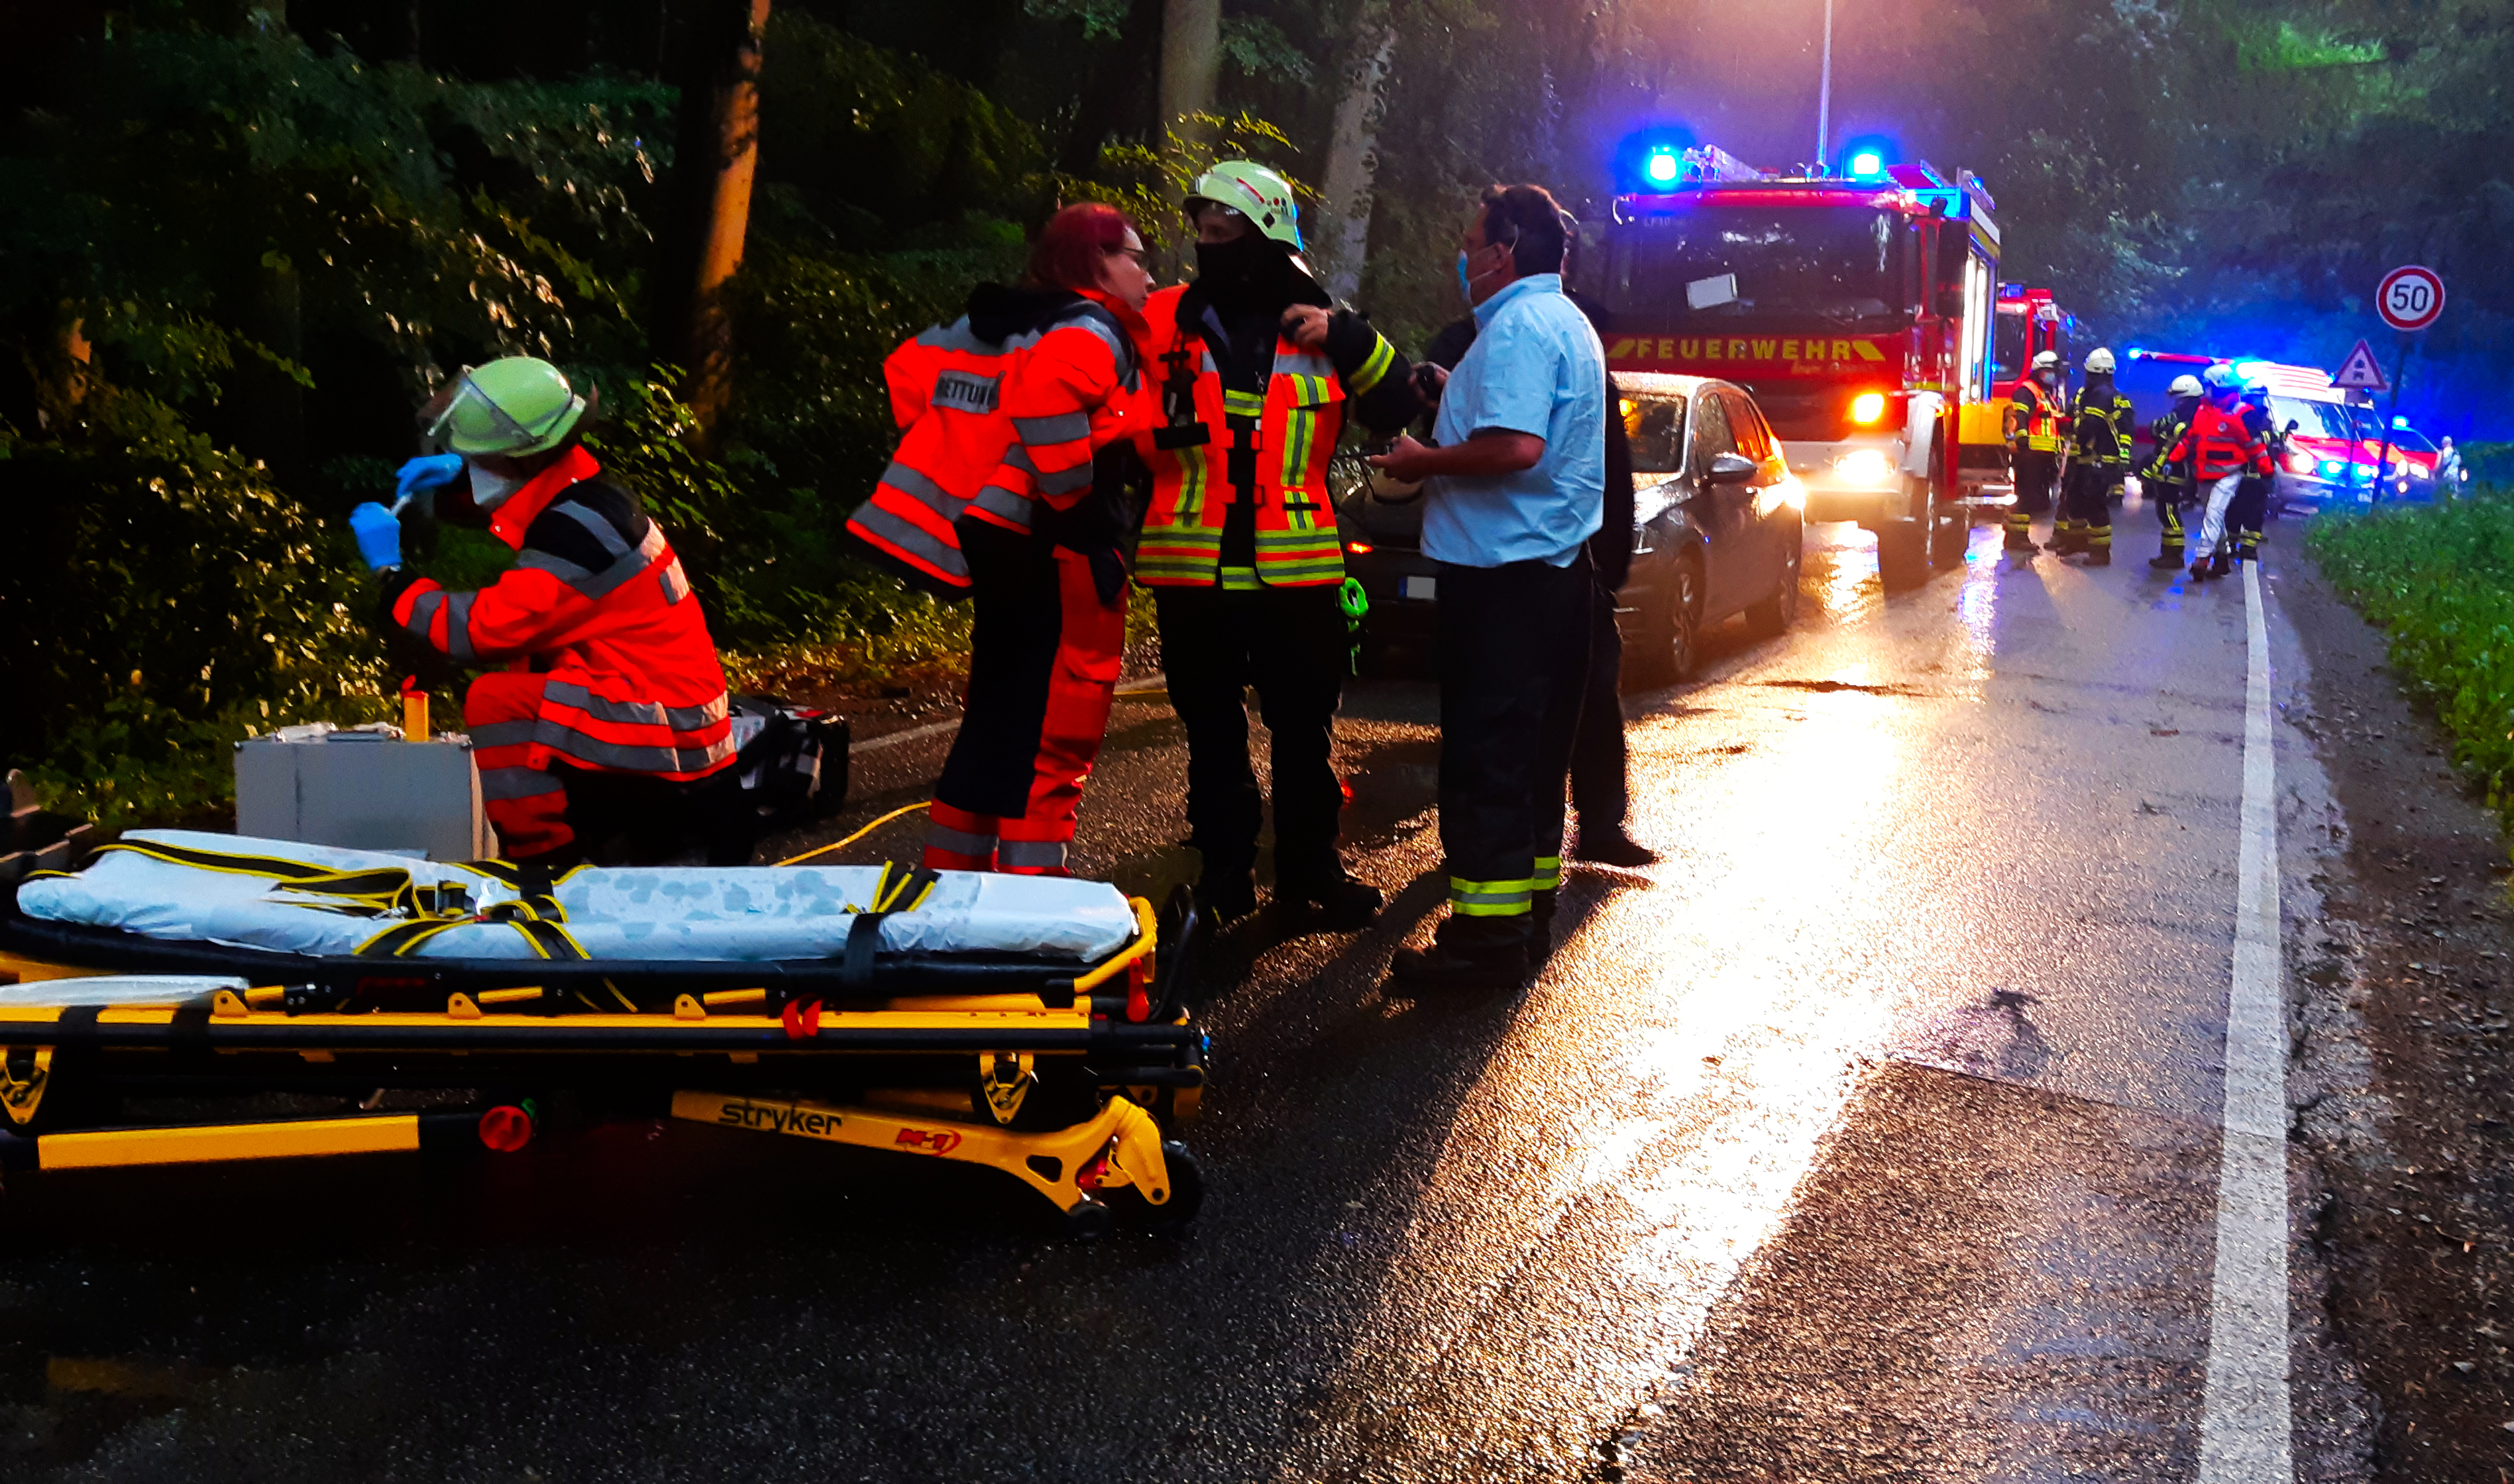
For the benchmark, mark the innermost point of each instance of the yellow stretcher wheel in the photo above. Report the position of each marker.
(1128, 1208)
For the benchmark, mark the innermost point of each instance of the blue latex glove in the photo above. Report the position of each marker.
(430, 473)
(378, 534)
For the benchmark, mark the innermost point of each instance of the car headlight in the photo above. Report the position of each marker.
(1865, 465)
(2300, 463)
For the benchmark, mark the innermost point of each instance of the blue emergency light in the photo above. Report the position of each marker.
(1662, 166)
(2400, 421)
(1867, 163)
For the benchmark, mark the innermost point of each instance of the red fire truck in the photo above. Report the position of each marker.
(1857, 310)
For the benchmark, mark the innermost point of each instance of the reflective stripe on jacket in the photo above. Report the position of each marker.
(2220, 442)
(2099, 429)
(1292, 429)
(597, 601)
(2041, 419)
(954, 394)
(1069, 393)
(2166, 430)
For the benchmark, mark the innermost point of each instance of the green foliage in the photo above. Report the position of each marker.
(2439, 579)
(166, 597)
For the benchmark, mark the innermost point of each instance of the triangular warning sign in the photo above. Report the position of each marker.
(2359, 373)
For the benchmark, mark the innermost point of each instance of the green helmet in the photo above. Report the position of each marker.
(513, 406)
(1255, 192)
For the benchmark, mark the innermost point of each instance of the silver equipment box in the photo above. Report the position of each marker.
(363, 790)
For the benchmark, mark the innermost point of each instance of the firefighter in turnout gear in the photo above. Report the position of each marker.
(2034, 437)
(597, 657)
(1253, 379)
(2250, 509)
(2098, 448)
(1040, 541)
(2167, 481)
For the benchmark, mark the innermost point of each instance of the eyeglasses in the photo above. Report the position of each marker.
(1143, 258)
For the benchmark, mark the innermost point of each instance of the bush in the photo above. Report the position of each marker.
(2439, 579)
(164, 597)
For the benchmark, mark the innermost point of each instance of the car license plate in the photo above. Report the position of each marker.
(1421, 588)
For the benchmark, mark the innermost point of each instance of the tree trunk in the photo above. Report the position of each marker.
(732, 140)
(1191, 65)
(1353, 156)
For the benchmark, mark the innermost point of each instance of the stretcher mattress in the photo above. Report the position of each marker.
(669, 914)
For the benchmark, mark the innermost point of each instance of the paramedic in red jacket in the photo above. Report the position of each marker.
(2221, 447)
(1041, 541)
(597, 655)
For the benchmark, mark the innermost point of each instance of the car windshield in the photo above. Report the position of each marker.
(2411, 439)
(2319, 420)
(1723, 265)
(1656, 429)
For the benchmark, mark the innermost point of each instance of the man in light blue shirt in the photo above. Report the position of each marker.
(1516, 488)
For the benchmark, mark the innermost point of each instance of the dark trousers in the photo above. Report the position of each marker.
(1514, 661)
(2033, 473)
(2169, 497)
(2247, 513)
(1597, 785)
(1291, 644)
(2086, 503)
(1045, 653)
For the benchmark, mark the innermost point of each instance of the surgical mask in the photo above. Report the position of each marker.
(1466, 285)
(490, 491)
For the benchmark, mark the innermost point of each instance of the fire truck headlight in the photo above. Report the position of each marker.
(1865, 465)
(2300, 463)
(1868, 407)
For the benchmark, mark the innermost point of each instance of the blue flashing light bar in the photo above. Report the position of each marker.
(2400, 421)
(1661, 167)
(2017, 290)
(1867, 163)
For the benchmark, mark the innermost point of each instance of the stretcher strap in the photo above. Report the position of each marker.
(539, 919)
(385, 892)
(900, 890)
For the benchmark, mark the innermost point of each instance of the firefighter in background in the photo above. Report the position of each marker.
(2249, 511)
(2034, 438)
(1252, 382)
(606, 664)
(2098, 448)
(2167, 481)
(1040, 540)
(2219, 447)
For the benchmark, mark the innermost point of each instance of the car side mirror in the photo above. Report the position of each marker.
(2293, 424)
(1730, 468)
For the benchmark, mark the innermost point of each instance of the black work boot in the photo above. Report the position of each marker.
(2169, 558)
(2019, 538)
(1226, 894)
(1612, 847)
(1469, 953)
(1329, 901)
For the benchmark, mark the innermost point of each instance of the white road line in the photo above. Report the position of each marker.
(2244, 1423)
(937, 728)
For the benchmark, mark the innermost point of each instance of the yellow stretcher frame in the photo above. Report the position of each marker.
(1119, 1153)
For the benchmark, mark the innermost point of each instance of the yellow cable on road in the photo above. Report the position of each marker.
(853, 838)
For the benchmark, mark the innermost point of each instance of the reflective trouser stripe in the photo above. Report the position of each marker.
(1490, 898)
(1031, 857)
(957, 840)
(1549, 873)
(2099, 536)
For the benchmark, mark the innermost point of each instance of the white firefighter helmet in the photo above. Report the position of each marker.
(2220, 378)
(2184, 386)
(2099, 362)
(2046, 360)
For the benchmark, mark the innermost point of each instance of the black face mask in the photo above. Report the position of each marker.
(1250, 272)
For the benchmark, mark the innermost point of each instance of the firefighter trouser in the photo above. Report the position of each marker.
(1291, 644)
(1043, 658)
(2169, 495)
(2085, 511)
(1514, 661)
(2221, 497)
(523, 798)
(2033, 473)
(2247, 513)
(1598, 784)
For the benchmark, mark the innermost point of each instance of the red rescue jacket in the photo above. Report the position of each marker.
(2218, 443)
(980, 436)
(597, 601)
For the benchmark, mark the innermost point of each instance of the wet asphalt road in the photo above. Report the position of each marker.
(1871, 1134)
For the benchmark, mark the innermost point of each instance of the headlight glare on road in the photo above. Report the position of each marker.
(1865, 465)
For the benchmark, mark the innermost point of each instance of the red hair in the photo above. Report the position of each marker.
(1071, 246)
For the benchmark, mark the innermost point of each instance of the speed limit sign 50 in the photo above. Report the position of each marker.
(2410, 299)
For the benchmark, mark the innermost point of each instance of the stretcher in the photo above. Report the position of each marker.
(1027, 1024)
